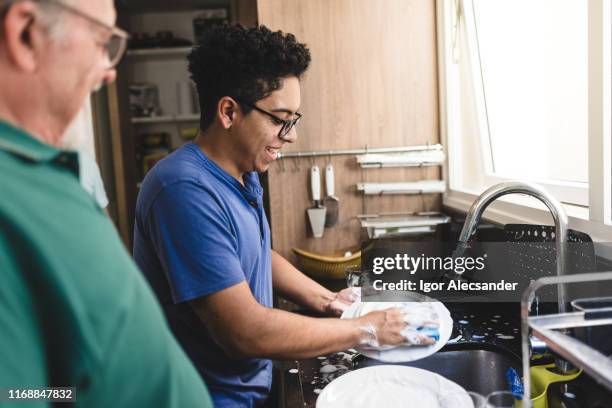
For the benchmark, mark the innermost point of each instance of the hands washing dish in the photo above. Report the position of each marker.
(388, 325)
(410, 330)
(419, 322)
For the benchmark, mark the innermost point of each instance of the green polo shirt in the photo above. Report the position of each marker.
(74, 309)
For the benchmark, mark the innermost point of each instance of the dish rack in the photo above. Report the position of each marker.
(552, 330)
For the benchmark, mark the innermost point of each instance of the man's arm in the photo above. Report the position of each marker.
(244, 328)
(293, 285)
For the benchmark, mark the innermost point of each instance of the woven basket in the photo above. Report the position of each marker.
(325, 267)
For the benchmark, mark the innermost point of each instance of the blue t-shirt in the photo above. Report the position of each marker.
(199, 231)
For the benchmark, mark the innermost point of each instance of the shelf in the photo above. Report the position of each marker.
(159, 52)
(157, 6)
(166, 119)
(415, 187)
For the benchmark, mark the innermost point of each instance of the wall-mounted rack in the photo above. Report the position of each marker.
(366, 150)
(414, 187)
(408, 159)
(401, 224)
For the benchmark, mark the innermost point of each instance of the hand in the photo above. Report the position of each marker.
(343, 300)
(395, 327)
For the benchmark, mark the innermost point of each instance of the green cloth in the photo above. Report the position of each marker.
(74, 309)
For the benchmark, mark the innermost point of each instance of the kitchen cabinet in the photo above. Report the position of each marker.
(131, 142)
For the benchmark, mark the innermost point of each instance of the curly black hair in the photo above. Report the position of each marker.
(244, 63)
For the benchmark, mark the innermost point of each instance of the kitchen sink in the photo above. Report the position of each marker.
(474, 366)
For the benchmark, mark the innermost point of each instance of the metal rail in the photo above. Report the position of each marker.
(349, 152)
(581, 355)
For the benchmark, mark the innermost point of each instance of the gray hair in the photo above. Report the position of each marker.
(50, 15)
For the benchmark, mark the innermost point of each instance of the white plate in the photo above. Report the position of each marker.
(393, 386)
(403, 353)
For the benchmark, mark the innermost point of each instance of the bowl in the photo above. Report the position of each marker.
(325, 267)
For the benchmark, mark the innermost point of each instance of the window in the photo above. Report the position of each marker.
(525, 95)
(534, 72)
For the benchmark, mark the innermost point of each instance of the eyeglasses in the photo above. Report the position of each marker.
(286, 125)
(115, 46)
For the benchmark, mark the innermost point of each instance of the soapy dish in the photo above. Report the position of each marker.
(431, 310)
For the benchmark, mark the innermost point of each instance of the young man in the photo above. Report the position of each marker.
(74, 310)
(202, 238)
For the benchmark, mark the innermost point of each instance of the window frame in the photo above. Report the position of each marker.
(596, 218)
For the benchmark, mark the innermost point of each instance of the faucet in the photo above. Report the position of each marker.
(516, 187)
(560, 218)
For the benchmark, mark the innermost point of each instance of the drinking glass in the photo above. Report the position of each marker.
(354, 276)
(462, 399)
(503, 399)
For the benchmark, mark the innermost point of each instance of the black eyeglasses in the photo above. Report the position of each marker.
(286, 125)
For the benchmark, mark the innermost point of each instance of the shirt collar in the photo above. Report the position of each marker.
(20, 143)
(252, 189)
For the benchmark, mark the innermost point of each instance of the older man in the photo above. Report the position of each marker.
(74, 310)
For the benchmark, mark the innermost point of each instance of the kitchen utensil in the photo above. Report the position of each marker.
(392, 386)
(316, 214)
(403, 353)
(331, 202)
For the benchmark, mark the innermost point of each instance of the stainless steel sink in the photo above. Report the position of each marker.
(474, 366)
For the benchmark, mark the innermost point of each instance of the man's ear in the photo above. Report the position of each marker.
(226, 111)
(21, 40)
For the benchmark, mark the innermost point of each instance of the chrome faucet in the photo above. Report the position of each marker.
(561, 236)
(516, 187)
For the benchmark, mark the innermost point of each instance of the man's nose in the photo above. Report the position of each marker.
(291, 136)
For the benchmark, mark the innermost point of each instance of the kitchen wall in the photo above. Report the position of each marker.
(372, 83)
